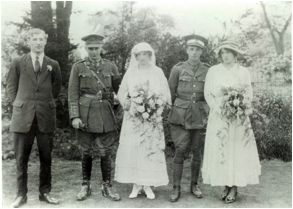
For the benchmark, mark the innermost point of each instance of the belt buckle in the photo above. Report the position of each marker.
(99, 95)
(193, 97)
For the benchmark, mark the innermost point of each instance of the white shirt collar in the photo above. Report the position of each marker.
(41, 57)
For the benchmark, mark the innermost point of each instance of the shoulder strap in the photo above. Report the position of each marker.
(97, 77)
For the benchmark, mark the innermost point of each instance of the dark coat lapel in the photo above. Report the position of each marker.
(200, 70)
(45, 71)
(28, 66)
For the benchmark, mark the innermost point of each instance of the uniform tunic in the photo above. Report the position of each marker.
(186, 87)
(95, 113)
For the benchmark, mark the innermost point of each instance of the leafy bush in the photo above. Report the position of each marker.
(272, 125)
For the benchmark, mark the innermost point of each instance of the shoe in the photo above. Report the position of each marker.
(135, 191)
(19, 201)
(175, 194)
(194, 189)
(108, 193)
(225, 193)
(230, 199)
(149, 192)
(84, 192)
(46, 197)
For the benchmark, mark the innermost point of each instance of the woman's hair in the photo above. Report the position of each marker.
(229, 50)
(149, 53)
(36, 31)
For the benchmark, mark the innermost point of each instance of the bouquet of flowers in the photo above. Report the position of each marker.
(147, 105)
(235, 104)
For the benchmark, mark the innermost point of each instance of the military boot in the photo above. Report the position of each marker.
(177, 174)
(194, 189)
(107, 189)
(86, 189)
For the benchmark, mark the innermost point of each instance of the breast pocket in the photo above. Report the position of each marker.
(85, 79)
(107, 76)
(185, 83)
(200, 82)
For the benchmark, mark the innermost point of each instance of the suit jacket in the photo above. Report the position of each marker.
(32, 97)
(187, 87)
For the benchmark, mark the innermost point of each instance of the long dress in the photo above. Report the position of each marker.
(140, 157)
(230, 153)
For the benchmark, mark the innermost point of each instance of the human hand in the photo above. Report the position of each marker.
(127, 104)
(76, 122)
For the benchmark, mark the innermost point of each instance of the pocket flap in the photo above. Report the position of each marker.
(185, 78)
(52, 104)
(85, 74)
(203, 105)
(181, 103)
(201, 78)
(17, 104)
(107, 74)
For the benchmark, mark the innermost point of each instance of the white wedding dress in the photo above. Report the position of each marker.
(231, 160)
(140, 157)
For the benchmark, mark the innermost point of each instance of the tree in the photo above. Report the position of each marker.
(56, 24)
(277, 26)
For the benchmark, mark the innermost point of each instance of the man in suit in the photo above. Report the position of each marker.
(189, 113)
(90, 97)
(33, 81)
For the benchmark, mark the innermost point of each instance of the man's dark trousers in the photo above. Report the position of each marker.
(23, 143)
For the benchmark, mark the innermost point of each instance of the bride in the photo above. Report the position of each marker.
(144, 92)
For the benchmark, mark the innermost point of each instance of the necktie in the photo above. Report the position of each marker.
(37, 65)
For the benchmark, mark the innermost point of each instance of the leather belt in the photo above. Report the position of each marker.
(193, 97)
(99, 95)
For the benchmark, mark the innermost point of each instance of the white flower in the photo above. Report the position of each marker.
(151, 102)
(145, 115)
(236, 102)
(138, 100)
(159, 111)
(159, 119)
(159, 102)
(140, 109)
(49, 68)
(135, 94)
(248, 111)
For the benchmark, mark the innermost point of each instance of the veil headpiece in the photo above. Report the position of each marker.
(139, 48)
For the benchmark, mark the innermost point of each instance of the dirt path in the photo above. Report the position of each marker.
(274, 190)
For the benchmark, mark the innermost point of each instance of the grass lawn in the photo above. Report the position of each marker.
(274, 190)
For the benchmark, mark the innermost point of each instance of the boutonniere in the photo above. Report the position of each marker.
(49, 68)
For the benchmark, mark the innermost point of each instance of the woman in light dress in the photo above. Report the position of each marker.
(230, 155)
(140, 157)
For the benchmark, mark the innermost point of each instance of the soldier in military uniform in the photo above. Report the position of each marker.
(90, 94)
(188, 114)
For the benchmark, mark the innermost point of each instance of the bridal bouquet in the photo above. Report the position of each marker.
(235, 104)
(147, 105)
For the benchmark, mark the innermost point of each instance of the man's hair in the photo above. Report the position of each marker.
(36, 31)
